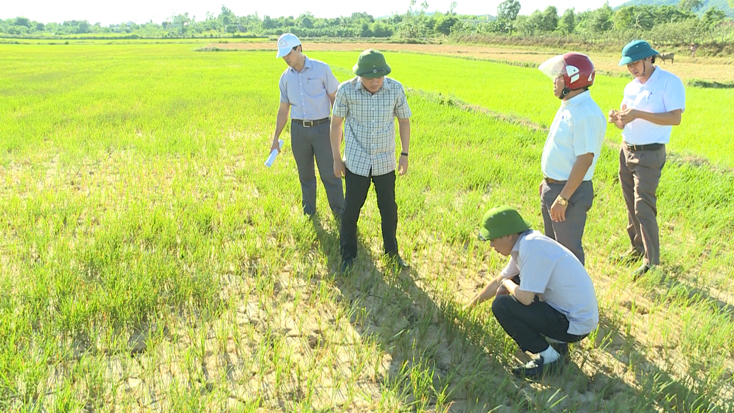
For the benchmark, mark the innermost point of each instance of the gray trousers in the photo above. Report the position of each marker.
(307, 143)
(569, 232)
(639, 175)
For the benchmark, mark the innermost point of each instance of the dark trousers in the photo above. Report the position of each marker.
(313, 142)
(528, 325)
(569, 232)
(356, 194)
(639, 176)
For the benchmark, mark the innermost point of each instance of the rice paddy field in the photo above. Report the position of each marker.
(149, 261)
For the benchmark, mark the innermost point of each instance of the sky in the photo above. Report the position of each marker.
(140, 11)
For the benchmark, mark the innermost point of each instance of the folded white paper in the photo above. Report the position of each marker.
(274, 154)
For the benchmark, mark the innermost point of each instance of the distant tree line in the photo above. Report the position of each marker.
(662, 24)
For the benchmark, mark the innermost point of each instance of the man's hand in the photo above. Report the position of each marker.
(613, 116)
(540, 188)
(558, 211)
(403, 165)
(627, 115)
(275, 145)
(339, 168)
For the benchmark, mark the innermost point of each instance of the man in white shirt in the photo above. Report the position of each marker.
(307, 91)
(543, 294)
(653, 103)
(571, 151)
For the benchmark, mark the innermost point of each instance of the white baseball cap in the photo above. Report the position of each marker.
(286, 43)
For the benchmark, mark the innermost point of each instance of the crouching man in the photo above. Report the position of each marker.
(543, 294)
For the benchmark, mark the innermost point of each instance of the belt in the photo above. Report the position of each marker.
(553, 181)
(648, 147)
(309, 123)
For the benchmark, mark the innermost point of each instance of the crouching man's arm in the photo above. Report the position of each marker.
(525, 297)
(488, 292)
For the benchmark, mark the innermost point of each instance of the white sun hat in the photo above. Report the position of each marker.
(286, 43)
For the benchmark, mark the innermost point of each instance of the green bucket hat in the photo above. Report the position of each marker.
(371, 64)
(500, 221)
(636, 50)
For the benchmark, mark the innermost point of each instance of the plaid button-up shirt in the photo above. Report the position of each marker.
(369, 129)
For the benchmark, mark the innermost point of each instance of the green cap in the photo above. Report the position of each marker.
(500, 221)
(371, 64)
(636, 50)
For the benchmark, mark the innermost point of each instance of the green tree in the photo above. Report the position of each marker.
(713, 17)
(634, 17)
(380, 29)
(83, 27)
(624, 17)
(306, 20)
(508, 10)
(268, 23)
(22, 21)
(445, 24)
(452, 8)
(690, 5)
(227, 17)
(567, 23)
(549, 22)
(366, 31)
(670, 14)
(181, 23)
(529, 25)
(363, 16)
(602, 19)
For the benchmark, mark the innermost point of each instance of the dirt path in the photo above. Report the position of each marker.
(704, 68)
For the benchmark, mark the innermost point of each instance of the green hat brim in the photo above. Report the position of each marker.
(483, 234)
(631, 59)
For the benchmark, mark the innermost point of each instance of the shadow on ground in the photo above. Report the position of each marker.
(442, 358)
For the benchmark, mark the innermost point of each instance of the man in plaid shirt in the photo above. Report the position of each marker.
(370, 102)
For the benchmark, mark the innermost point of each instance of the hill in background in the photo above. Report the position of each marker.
(706, 4)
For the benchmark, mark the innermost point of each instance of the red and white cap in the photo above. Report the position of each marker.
(286, 43)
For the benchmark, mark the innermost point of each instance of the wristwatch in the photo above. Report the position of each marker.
(562, 201)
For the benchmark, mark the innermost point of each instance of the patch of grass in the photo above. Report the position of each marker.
(710, 84)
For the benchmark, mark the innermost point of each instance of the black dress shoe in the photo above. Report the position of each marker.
(346, 265)
(639, 272)
(535, 368)
(396, 261)
(630, 256)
